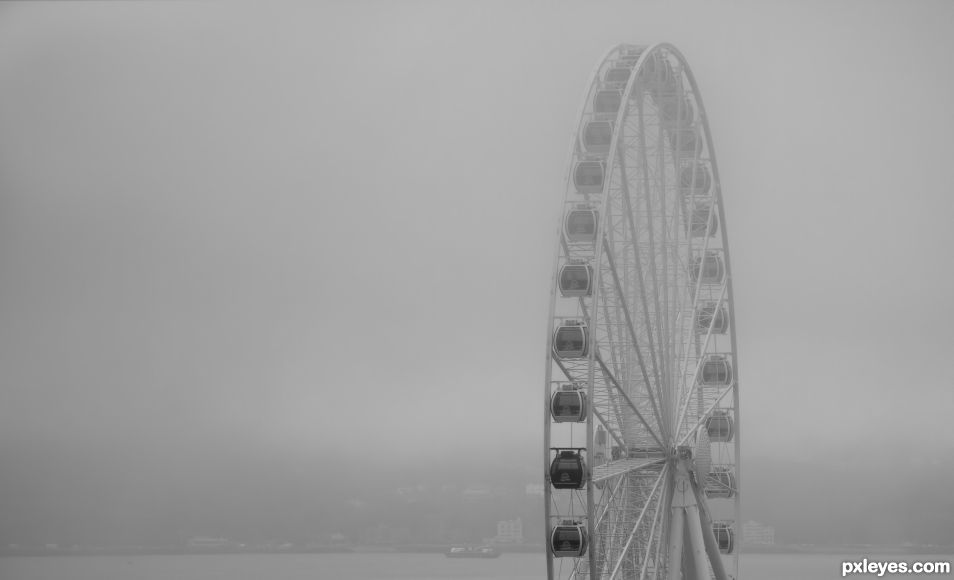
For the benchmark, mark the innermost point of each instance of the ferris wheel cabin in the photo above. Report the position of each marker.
(568, 405)
(567, 470)
(658, 73)
(676, 111)
(685, 141)
(580, 225)
(576, 280)
(696, 178)
(720, 483)
(607, 101)
(588, 176)
(725, 536)
(712, 269)
(597, 136)
(705, 315)
(568, 540)
(703, 222)
(716, 371)
(570, 340)
(720, 427)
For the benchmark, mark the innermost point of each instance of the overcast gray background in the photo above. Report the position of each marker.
(248, 232)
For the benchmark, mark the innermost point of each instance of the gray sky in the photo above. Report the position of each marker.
(299, 227)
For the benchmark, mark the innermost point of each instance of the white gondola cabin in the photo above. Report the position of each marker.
(580, 224)
(568, 540)
(703, 222)
(696, 178)
(720, 483)
(568, 405)
(724, 536)
(597, 136)
(568, 470)
(712, 269)
(576, 280)
(607, 101)
(716, 371)
(705, 315)
(720, 426)
(570, 340)
(588, 176)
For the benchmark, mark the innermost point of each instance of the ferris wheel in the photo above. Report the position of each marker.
(641, 428)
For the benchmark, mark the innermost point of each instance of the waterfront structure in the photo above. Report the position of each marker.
(535, 489)
(756, 534)
(509, 532)
(641, 396)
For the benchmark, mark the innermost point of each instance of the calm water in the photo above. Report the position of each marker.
(378, 567)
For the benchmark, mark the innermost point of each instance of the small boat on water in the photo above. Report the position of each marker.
(472, 552)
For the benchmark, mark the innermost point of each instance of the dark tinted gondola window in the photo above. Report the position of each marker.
(567, 403)
(575, 279)
(570, 339)
(589, 174)
(598, 134)
(572, 536)
(581, 223)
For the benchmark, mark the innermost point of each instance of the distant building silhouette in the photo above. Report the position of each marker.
(509, 532)
(534, 489)
(202, 543)
(756, 534)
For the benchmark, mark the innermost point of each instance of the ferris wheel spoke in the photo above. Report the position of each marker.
(629, 402)
(641, 283)
(607, 502)
(692, 384)
(681, 325)
(610, 402)
(700, 360)
(619, 512)
(635, 341)
(667, 245)
(664, 383)
(620, 467)
(701, 421)
(639, 520)
(613, 345)
(609, 428)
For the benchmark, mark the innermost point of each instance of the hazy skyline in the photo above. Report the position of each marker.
(231, 231)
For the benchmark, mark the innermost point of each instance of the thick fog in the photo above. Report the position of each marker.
(265, 248)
